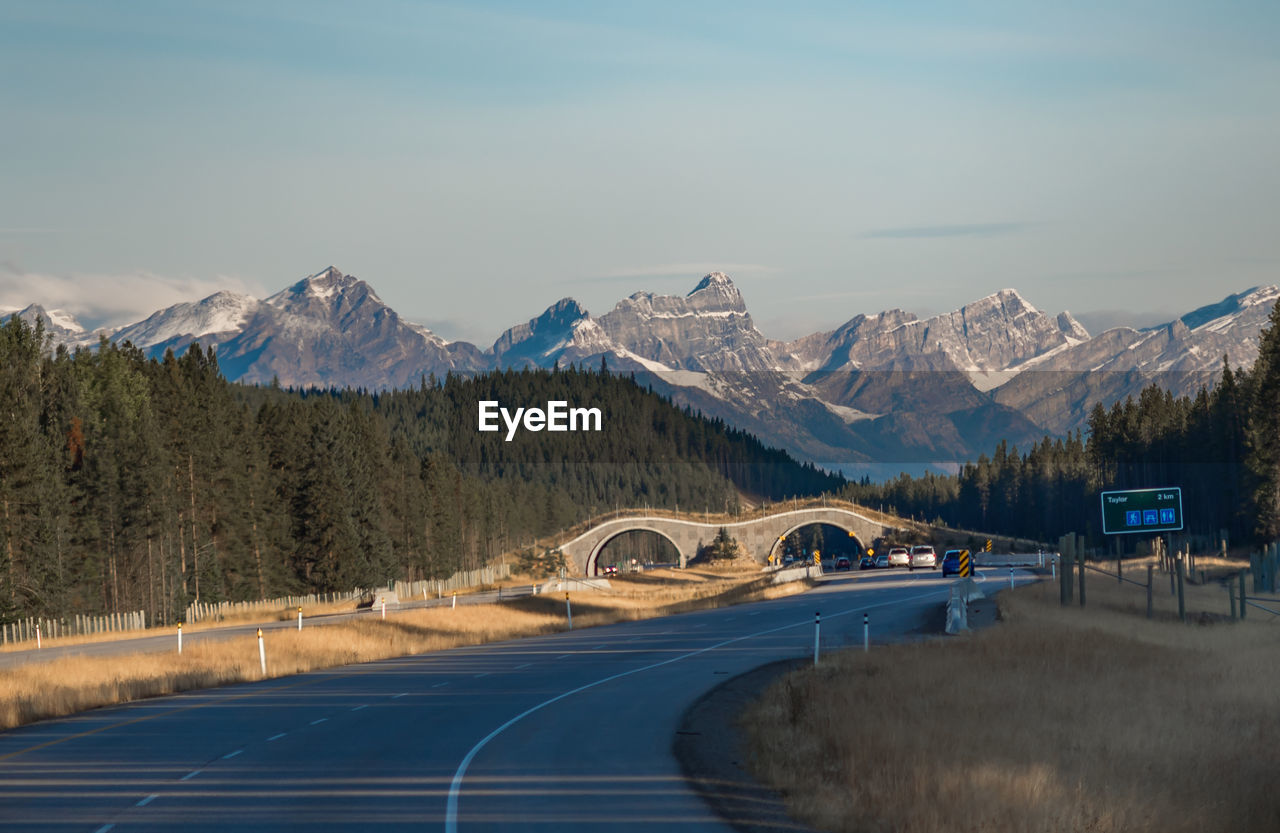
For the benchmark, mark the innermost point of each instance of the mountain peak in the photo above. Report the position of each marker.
(717, 280)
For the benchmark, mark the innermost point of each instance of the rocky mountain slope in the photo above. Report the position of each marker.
(886, 388)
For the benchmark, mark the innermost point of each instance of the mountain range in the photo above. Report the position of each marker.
(880, 393)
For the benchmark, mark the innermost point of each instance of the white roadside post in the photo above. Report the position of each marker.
(384, 608)
(568, 609)
(299, 617)
(1010, 578)
(262, 653)
(817, 628)
(38, 643)
(455, 598)
(179, 637)
(866, 633)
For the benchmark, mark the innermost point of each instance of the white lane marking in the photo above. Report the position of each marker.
(756, 613)
(230, 755)
(362, 706)
(190, 775)
(482, 674)
(104, 828)
(276, 737)
(455, 787)
(438, 685)
(398, 696)
(700, 625)
(318, 722)
(525, 665)
(144, 802)
(564, 656)
(598, 647)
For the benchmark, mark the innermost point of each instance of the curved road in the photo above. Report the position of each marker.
(571, 731)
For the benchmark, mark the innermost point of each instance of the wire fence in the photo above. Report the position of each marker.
(34, 630)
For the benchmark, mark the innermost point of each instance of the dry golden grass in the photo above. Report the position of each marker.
(1059, 719)
(248, 617)
(37, 691)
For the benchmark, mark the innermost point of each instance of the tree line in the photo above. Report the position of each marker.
(131, 483)
(1221, 446)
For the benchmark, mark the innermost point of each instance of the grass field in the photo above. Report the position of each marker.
(40, 690)
(1053, 720)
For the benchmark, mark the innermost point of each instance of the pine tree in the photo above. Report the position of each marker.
(1263, 431)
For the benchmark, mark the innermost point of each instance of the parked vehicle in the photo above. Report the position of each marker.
(868, 562)
(922, 555)
(882, 561)
(899, 557)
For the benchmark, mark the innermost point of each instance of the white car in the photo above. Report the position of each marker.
(899, 557)
(923, 555)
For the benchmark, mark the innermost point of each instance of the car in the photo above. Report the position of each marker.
(842, 563)
(882, 561)
(951, 563)
(610, 569)
(868, 562)
(899, 557)
(922, 555)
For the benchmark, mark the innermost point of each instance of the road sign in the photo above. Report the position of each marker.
(966, 569)
(1142, 510)
(987, 546)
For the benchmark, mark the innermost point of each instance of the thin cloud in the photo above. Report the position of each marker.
(111, 300)
(962, 230)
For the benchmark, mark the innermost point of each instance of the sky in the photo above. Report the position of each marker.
(477, 161)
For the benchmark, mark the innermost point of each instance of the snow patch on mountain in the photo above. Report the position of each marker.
(219, 314)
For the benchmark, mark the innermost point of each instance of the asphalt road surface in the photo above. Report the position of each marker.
(571, 731)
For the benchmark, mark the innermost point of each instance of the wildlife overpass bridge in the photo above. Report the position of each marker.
(760, 536)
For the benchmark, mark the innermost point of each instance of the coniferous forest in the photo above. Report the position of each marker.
(130, 483)
(1222, 447)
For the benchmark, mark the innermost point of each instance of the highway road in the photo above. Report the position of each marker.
(571, 731)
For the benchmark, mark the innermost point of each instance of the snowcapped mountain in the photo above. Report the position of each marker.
(707, 330)
(61, 325)
(178, 326)
(887, 387)
(1057, 389)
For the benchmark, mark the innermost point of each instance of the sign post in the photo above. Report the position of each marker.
(1142, 510)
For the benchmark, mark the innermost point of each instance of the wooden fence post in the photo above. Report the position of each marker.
(1081, 557)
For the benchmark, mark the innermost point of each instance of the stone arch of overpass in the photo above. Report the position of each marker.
(773, 550)
(760, 536)
(604, 542)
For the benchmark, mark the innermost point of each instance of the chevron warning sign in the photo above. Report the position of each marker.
(966, 569)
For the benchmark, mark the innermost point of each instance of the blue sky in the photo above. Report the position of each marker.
(477, 161)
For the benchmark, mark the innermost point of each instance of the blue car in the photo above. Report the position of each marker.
(951, 563)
